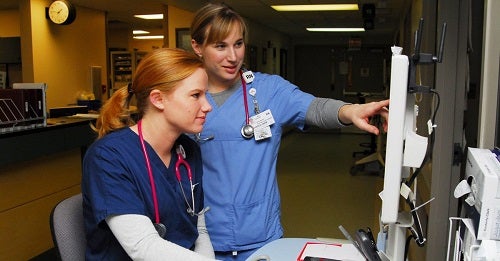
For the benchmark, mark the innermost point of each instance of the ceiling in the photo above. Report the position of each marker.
(387, 15)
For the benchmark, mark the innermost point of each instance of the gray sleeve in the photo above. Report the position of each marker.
(137, 235)
(324, 112)
(203, 245)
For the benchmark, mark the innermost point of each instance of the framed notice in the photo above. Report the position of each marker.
(183, 38)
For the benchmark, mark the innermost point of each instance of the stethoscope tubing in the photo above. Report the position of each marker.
(245, 102)
(180, 162)
(150, 173)
(181, 154)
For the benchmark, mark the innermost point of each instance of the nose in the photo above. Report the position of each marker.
(206, 107)
(231, 54)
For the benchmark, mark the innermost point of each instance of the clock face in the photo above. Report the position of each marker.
(61, 12)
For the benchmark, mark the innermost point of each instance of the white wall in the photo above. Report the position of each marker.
(490, 71)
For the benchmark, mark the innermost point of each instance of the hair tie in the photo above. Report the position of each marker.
(129, 88)
(130, 94)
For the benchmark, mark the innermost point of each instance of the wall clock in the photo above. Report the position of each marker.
(61, 12)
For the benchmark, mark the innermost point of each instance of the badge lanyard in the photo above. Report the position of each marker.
(247, 129)
(257, 126)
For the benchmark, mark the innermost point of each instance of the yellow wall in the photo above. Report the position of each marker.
(177, 18)
(146, 45)
(62, 55)
(9, 23)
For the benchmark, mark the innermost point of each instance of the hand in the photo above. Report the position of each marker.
(360, 114)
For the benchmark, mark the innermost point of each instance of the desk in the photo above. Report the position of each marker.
(64, 133)
(287, 248)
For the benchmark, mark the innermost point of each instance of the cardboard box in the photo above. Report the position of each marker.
(484, 168)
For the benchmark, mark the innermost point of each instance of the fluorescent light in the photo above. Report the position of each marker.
(332, 7)
(150, 16)
(146, 37)
(140, 32)
(335, 29)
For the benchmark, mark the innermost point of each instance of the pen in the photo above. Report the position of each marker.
(348, 236)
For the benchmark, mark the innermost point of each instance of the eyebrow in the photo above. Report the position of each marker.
(224, 42)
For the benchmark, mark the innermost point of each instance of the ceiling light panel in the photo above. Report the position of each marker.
(325, 29)
(148, 37)
(317, 7)
(150, 16)
(140, 32)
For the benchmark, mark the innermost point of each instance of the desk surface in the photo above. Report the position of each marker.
(287, 248)
(63, 134)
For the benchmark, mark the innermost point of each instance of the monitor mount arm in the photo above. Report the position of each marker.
(423, 58)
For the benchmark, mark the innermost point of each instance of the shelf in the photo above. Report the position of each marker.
(122, 69)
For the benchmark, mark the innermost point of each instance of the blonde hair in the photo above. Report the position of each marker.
(214, 22)
(161, 69)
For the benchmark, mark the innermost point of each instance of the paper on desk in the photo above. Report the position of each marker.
(86, 115)
(332, 251)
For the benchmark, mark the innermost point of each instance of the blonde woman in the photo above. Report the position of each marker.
(241, 139)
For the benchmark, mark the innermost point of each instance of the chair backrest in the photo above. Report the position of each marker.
(67, 227)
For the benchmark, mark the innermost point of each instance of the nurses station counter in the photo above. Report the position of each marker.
(38, 168)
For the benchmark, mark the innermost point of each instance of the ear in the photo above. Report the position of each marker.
(156, 98)
(196, 47)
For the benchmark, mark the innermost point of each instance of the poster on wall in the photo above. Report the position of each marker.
(365, 72)
(183, 38)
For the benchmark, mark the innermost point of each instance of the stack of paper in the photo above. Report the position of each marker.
(325, 251)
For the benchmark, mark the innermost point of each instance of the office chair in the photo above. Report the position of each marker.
(67, 228)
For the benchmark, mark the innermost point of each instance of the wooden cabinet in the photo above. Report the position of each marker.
(38, 168)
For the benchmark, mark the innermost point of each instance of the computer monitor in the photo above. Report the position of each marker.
(399, 115)
(405, 150)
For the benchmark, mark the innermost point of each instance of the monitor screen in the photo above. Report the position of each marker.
(395, 136)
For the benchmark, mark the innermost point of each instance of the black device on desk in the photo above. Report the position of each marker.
(367, 243)
(364, 242)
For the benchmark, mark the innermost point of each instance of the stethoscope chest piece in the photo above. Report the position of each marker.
(247, 131)
(161, 229)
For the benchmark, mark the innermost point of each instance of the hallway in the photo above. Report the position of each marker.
(318, 192)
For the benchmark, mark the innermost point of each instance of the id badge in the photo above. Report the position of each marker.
(262, 119)
(261, 123)
(262, 133)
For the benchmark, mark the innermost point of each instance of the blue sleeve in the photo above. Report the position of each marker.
(287, 102)
(109, 185)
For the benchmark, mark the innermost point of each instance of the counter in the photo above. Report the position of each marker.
(38, 168)
(62, 134)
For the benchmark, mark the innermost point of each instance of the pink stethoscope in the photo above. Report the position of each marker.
(247, 130)
(181, 155)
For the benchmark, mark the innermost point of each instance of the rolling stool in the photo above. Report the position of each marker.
(374, 162)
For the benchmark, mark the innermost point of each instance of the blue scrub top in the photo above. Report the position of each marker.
(240, 174)
(115, 181)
